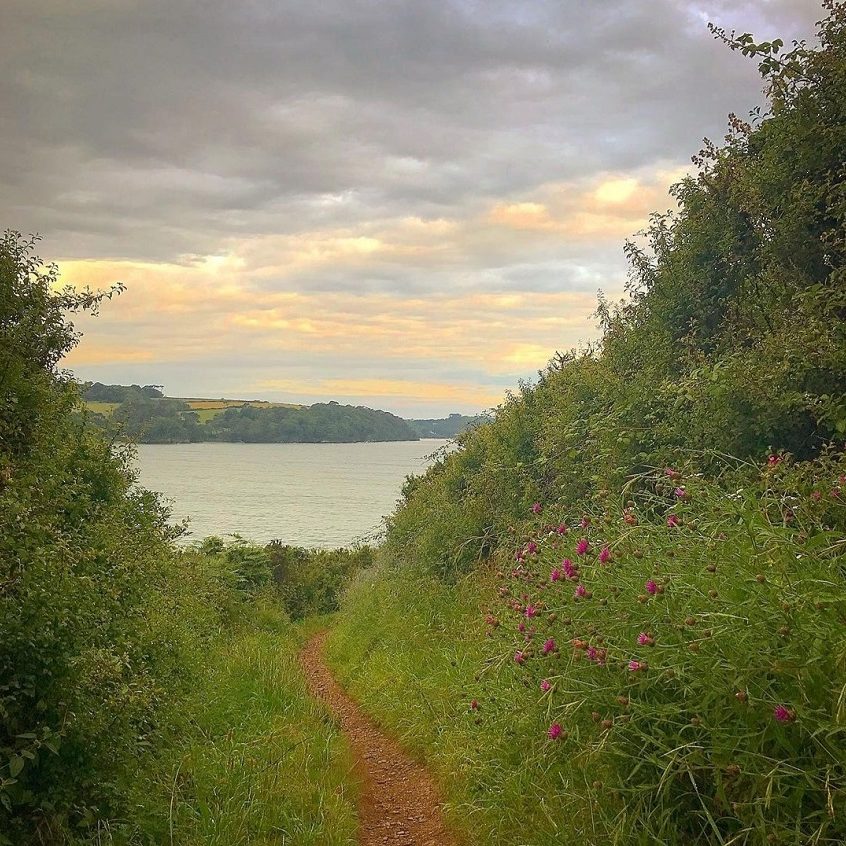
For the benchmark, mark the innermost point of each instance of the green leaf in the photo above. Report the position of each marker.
(16, 764)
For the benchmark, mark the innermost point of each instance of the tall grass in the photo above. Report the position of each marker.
(697, 678)
(255, 760)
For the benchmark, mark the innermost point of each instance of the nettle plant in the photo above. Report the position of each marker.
(684, 647)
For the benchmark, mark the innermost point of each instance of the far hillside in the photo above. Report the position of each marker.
(145, 415)
(446, 427)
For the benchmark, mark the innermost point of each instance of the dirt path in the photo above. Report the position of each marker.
(399, 804)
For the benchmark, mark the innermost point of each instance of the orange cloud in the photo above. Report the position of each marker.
(385, 389)
(254, 297)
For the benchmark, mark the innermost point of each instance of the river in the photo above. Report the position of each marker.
(311, 495)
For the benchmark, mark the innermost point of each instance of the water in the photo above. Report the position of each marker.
(311, 495)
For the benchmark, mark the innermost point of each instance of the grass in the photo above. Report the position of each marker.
(105, 408)
(730, 728)
(220, 405)
(258, 761)
(206, 409)
(408, 648)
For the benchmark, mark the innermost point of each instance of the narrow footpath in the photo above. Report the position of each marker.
(399, 803)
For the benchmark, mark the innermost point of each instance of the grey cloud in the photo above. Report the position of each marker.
(160, 128)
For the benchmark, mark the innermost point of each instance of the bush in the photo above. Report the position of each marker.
(103, 624)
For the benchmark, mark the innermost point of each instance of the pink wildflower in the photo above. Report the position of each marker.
(582, 547)
(773, 460)
(581, 591)
(549, 646)
(604, 555)
(584, 522)
(545, 686)
(680, 493)
(531, 548)
(474, 705)
(569, 570)
(536, 508)
(554, 731)
(673, 474)
(816, 496)
(555, 575)
(783, 714)
(530, 611)
(562, 529)
(635, 666)
(651, 587)
(521, 627)
(645, 639)
(672, 521)
(519, 657)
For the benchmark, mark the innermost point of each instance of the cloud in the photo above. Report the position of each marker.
(293, 164)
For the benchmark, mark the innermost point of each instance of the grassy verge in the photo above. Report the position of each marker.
(257, 760)
(669, 670)
(408, 649)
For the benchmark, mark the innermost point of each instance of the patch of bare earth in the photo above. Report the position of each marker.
(399, 804)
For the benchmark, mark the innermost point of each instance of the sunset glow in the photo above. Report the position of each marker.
(298, 224)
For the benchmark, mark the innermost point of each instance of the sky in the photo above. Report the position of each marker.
(406, 204)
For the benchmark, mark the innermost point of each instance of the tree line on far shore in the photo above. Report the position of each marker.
(142, 413)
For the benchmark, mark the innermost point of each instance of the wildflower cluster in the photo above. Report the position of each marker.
(687, 615)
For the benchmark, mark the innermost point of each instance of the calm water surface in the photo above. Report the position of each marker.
(312, 495)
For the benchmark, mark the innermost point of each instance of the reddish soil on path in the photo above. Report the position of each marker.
(399, 804)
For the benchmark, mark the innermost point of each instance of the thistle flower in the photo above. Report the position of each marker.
(531, 548)
(604, 555)
(580, 591)
(521, 627)
(645, 639)
(774, 460)
(672, 521)
(784, 714)
(536, 508)
(598, 656)
(562, 529)
(549, 646)
(635, 666)
(519, 657)
(569, 570)
(584, 522)
(555, 575)
(545, 686)
(554, 731)
(651, 587)
(530, 611)
(582, 547)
